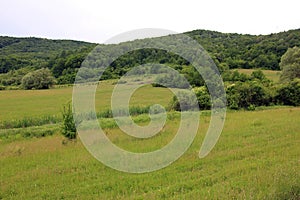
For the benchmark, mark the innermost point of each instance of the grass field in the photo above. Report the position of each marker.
(17, 104)
(256, 157)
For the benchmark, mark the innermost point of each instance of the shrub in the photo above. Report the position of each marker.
(183, 101)
(203, 97)
(248, 95)
(68, 125)
(289, 94)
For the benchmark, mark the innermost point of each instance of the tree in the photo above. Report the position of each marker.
(290, 64)
(39, 79)
(68, 125)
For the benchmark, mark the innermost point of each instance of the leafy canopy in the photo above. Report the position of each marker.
(290, 64)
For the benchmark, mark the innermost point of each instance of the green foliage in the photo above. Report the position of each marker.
(258, 74)
(233, 76)
(67, 62)
(236, 76)
(39, 79)
(68, 124)
(64, 57)
(203, 97)
(183, 101)
(14, 77)
(289, 93)
(16, 53)
(290, 64)
(192, 75)
(247, 51)
(248, 95)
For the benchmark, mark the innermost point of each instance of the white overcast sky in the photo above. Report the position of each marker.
(98, 20)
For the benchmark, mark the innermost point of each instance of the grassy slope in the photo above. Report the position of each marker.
(256, 157)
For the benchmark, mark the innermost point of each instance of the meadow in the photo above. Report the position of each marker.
(36, 103)
(256, 157)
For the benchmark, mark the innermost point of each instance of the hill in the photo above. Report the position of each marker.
(16, 53)
(64, 57)
(247, 51)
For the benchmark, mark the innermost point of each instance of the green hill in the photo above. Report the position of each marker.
(16, 53)
(247, 51)
(64, 57)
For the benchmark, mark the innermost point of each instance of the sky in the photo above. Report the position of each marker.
(98, 20)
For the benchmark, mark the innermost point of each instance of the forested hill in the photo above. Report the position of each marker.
(247, 51)
(63, 57)
(16, 53)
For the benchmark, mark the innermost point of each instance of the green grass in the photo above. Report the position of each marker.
(17, 104)
(270, 74)
(14, 134)
(256, 157)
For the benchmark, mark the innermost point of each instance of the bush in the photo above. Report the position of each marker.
(183, 101)
(289, 94)
(14, 77)
(39, 79)
(248, 95)
(68, 125)
(203, 97)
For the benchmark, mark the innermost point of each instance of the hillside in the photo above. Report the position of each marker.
(16, 53)
(247, 51)
(64, 57)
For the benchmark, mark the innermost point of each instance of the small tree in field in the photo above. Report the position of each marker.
(39, 79)
(68, 125)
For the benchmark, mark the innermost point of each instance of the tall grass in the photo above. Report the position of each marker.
(133, 111)
(30, 121)
(54, 119)
(28, 132)
(256, 157)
